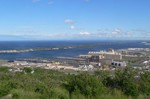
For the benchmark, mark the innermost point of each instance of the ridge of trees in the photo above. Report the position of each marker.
(127, 83)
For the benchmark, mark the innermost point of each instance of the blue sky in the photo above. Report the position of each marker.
(74, 19)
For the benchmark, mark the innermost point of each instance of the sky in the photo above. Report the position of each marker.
(74, 20)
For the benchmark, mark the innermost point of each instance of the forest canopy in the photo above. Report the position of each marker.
(51, 84)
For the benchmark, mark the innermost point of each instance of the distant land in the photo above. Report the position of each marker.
(51, 49)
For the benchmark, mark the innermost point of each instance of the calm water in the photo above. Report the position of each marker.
(77, 50)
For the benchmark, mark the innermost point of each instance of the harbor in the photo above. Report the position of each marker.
(94, 60)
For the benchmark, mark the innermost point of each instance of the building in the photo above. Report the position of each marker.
(110, 54)
(85, 56)
(104, 57)
(118, 63)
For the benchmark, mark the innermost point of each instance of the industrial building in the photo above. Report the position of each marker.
(104, 57)
(118, 63)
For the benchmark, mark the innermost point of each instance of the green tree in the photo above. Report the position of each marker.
(145, 83)
(124, 80)
(4, 69)
(27, 69)
(88, 85)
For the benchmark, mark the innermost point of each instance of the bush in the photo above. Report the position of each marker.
(23, 94)
(27, 70)
(4, 69)
(86, 84)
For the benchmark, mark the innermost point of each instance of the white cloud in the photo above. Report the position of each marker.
(37, 36)
(72, 27)
(109, 33)
(85, 33)
(24, 27)
(25, 30)
(69, 21)
(117, 31)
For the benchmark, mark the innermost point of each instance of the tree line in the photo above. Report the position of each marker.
(125, 83)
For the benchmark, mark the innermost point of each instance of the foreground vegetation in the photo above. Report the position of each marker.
(50, 84)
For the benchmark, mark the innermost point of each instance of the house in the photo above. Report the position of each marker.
(118, 63)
